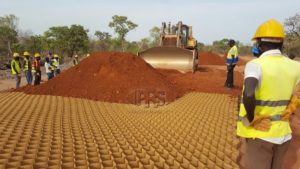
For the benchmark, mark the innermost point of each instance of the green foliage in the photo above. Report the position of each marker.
(201, 47)
(122, 26)
(144, 43)
(154, 36)
(8, 32)
(104, 42)
(67, 40)
(220, 46)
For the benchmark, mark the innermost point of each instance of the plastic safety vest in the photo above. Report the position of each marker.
(15, 67)
(279, 78)
(36, 66)
(232, 51)
(27, 64)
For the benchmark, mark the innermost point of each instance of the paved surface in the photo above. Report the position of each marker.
(196, 131)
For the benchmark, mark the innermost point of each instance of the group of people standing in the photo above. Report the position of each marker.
(32, 67)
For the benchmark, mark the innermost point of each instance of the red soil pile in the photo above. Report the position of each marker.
(209, 79)
(111, 77)
(210, 58)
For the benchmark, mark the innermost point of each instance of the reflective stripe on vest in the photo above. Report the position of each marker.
(15, 64)
(270, 103)
(279, 77)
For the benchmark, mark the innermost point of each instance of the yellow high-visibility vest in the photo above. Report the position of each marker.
(279, 78)
(26, 64)
(15, 64)
(233, 51)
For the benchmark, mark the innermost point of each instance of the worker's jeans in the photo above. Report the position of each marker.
(18, 80)
(261, 154)
(37, 77)
(229, 80)
(28, 76)
(50, 75)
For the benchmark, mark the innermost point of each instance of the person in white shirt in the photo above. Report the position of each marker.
(49, 68)
(268, 87)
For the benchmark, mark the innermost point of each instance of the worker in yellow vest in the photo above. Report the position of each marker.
(16, 68)
(268, 87)
(56, 65)
(231, 61)
(27, 68)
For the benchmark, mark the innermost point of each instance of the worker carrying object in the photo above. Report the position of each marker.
(16, 68)
(268, 87)
(36, 68)
(27, 68)
(231, 61)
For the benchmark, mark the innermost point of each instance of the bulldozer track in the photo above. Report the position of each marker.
(196, 131)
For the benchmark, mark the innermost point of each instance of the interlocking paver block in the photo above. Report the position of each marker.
(196, 131)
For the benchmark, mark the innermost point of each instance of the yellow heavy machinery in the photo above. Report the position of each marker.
(177, 49)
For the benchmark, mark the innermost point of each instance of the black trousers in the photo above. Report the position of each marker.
(37, 77)
(229, 80)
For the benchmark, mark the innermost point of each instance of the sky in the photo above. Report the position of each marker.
(211, 19)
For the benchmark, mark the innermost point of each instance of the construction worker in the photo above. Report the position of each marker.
(27, 68)
(16, 68)
(36, 68)
(56, 64)
(75, 60)
(268, 87)
(49, 68)
(231, 61)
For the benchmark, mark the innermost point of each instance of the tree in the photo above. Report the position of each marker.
(67, 40)
(104, 40)
(37, 43)
(220, 46)
(155, 35)
(8, 31)
(78, 40)
(292, 41)
(144, 43)
(122, 26)
(293, 25)
(57, 38)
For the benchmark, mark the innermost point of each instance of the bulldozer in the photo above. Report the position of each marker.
(177, 49)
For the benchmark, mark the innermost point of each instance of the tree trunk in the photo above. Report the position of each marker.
(123, 48)
(9, 48)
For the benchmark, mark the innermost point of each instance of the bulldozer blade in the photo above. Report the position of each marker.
(183, 60)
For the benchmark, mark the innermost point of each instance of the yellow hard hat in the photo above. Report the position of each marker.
(16, 54)
(271, 29)
(56, 56)
(37, 55)
(26, 54)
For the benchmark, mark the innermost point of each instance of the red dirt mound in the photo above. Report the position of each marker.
(209, 79)
(210, 58)
(111, 77)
